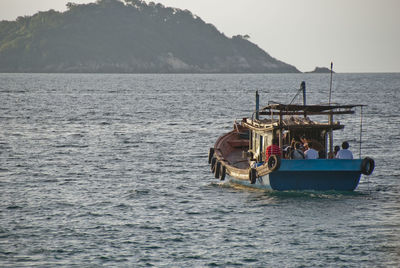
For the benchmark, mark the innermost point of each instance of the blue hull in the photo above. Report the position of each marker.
(318, 174)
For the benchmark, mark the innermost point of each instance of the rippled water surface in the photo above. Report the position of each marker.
(111, 170)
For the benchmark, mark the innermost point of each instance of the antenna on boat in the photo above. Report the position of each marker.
(257, 105)
(330, 115)
(330, 86)
(303, 87)
(361, 119)
(297, 94)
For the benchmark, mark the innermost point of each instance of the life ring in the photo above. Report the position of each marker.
(274, 162)
(213, 161)
(367, 166)
(210, 155)
(217, 169)
(252, 175)
(222, 173)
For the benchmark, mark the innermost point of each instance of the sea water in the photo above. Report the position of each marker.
(111, 170)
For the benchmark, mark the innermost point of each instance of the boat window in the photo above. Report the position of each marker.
(256, 143)
(255, 140)
(267, 141)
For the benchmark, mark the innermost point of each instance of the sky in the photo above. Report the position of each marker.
(356, 35)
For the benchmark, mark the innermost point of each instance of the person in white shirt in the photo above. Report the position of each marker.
(310, 153)
(344, 153)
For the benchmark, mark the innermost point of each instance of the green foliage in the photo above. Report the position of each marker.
(129, 36)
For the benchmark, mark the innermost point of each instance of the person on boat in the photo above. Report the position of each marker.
(303, 140)
(286, 152)
(332, 155)
(288, 149)
(336, 149)
(296, 152)
(316, 146)
(273, 149)
(344, 153)
(310, 152)
(285, 139)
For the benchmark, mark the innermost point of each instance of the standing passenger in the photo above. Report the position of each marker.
(336, 149)
(332, 155)
(316, 145)
(345, 153)
(296, 152)
(310, 153)
(273, 149)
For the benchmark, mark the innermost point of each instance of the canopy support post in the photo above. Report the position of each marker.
(330, 133)
(280, 132)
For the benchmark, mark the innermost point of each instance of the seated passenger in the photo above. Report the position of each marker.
(310, 153)
(345, 153)
(322, 154)
(297, 153)
(273, 149)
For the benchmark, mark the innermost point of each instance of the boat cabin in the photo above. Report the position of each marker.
(291, 122)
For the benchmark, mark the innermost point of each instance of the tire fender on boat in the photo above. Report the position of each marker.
(274, 162)
(210, 155)
(252, 175)
(213, 162)
(367, 166)
(222, 173)
(217, 169)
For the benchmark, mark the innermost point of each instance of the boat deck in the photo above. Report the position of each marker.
(235, 158)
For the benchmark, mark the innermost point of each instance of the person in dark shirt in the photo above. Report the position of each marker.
(297, 153)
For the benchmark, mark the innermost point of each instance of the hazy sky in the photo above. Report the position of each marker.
(357, 35)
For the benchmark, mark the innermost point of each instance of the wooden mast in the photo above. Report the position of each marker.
(303, 87)
(280, 132)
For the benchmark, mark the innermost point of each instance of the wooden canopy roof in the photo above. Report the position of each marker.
(297, 109)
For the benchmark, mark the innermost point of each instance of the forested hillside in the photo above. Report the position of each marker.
(130, 36)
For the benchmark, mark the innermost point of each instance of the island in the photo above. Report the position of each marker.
(321, 70)
(127, 36)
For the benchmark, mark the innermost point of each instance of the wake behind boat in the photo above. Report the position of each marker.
(241, 153)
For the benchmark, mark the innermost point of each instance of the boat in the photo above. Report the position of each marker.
(240, 154)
